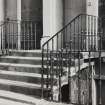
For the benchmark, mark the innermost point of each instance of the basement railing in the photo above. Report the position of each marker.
(63, 65)
(20, 35)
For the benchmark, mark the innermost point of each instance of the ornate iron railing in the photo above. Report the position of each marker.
(20, 35)
(63, 63)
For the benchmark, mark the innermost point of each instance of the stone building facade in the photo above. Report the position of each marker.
(52, 16)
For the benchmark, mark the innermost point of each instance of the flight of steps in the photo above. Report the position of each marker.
(20, 72)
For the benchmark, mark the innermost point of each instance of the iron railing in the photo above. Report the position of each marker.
(20, 35)
(63, 61)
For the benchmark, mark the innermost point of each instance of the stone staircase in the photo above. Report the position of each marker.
(20, 72)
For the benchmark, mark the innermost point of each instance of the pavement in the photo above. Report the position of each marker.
(41, 102)
(11, 98)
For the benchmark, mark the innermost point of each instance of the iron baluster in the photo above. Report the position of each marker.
(31, 31)
(8, 32)
(57, 43)
(89, 77)
(12, 35)
(79, 83)
(74, 36)
(24, 35)
(35, 34)
(51, 69)
(69, 75)
(100, 82)
(2, 39)
(42, 74)
(19, 37)
(62, 61)
(62, 36)
(28, 37)
(69, 64)
(52, 74)
(47, 55)
(81, 43)
(60, 57)
(57, 64)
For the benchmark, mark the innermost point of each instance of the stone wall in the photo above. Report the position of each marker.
(11, 9)
(81, 87)
(72, 8)
(31, 9)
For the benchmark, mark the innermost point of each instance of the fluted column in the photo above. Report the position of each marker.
(92, 7)
(1, 17)
(1, 10)
(19, 22)
(52, 18)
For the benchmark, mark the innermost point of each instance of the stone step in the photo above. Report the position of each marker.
(11, 98)
(21, 67)
(21, 76)
(20, 72)
(21, 87)
(21, 60)
(8, 96)
(25, 68)
(36, 60)
(13, 102)
(27, 53)
(25, 77)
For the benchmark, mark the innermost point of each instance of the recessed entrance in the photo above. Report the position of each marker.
(25, 33)
(31, 11)
(102, 92)
(65, 93)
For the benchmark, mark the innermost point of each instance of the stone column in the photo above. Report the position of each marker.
(52, 18)
(92, 22)
(92, 7)
(94, 90)
(1, 17)
(1, 10)
(19, 22)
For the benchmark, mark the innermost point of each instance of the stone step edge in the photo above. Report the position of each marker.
(29, 51)
(9, 101)
(20, 65)
(19, 97)
(26, 74)
(26, 99)
(19, 84)
(20, 57)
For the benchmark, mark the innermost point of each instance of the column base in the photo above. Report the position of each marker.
(44, 39)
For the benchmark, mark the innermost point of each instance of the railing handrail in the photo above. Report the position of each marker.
(70, 46)
(65, 27)
(25, 34)
(17, 21)
(3, 23)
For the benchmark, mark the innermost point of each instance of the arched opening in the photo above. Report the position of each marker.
(23, 24)
(31, 11)
(65, 93)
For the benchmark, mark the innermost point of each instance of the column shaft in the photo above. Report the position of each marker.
(1, 17)
(52, 18)
(19, 22)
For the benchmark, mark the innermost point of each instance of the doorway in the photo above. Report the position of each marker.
(25, 33)
(31, 16)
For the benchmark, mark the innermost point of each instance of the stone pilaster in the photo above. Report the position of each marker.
(19, 20)
(52, 18)
(1, 17)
